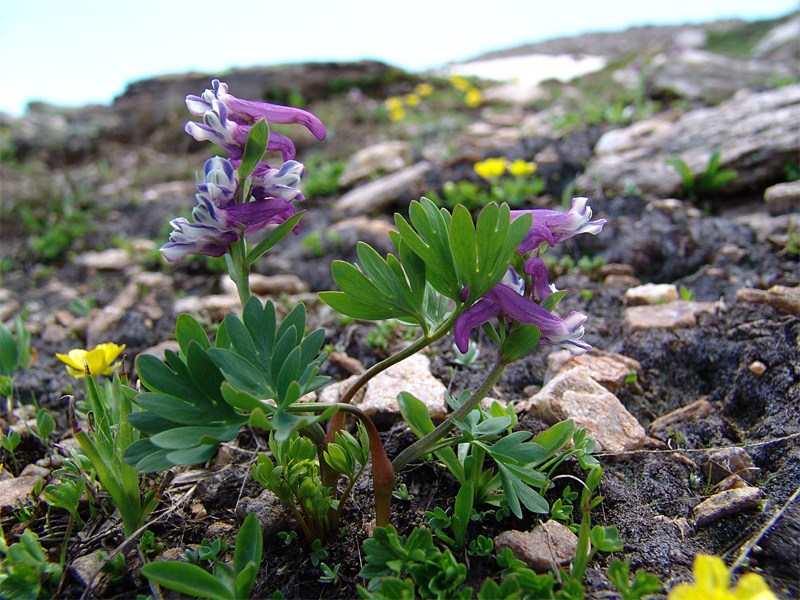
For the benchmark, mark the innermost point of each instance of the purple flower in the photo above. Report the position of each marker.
(227, 119)
(507, 298)
(554, 226)
(219, 220)
(540, 287)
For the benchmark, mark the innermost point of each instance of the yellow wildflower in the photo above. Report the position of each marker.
(99, 360)
(712, 582)
(473, 98)
(520, 168)
(394, 103)
(397, 114)
(411, 99)
(424, 89)
(491, 167)
(461, 84)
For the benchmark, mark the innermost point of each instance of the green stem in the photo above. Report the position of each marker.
(239, 270)
(424, 445)
(400, 356)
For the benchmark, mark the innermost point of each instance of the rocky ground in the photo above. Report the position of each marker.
(693, 296)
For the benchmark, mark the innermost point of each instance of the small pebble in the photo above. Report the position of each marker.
(757, 368)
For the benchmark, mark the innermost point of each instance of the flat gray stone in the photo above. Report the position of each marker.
(783, 197)
(609, 369)
(680, 314)
(380, 193)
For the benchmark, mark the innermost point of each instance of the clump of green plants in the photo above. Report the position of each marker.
(226, 582)
(712, 179)
(25, 571)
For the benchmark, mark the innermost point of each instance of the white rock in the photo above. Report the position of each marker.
(609, 369)
(652, 293)
(679, 314)
(379, 194)
(379, 399)
(548, 544)
(574, 394)
(387, 157)
(113, 259)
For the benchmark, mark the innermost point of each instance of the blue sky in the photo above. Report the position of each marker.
(75, 52)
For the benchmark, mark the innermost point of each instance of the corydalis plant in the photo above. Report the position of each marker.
(241, 194)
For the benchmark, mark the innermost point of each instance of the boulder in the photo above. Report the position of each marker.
(756, 133)
(386, 157)
(700, 75)
(574, 394)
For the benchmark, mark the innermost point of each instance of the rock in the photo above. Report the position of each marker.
(700, 75)
(113, 259)
(783, 197)
(755, 132)
(615, 269)
(680, 314)
(698, 409)
(348, 363)
(781, 298)
(55, 333)
(726, 503)
(379, 398)
(620, 281)
(779, 37)
(652, 293)
(515, 93)
(158, 349)
(86, 569)
(13, 491)
(757, 368)
(215, 307)
(767, 227)
(609, 369)
(719, 463)
(574, 394)
(269, 285)
(273, 515)
(548, 544)
(379, 194)
(386, 157)
(34, 471)
(364, 227)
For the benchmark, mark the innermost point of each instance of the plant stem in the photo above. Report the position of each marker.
(239, 270)
(424, 445)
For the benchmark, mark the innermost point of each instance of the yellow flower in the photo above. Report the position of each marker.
(394, 103)
(473, 98)
(411, 99)
(424, 89)
(712, 582)
(397, 114)
(520, 168)
(99, 360)
(491, 167)
(461, 84)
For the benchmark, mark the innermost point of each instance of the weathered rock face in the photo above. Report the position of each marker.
(756, 132)
(700, 75)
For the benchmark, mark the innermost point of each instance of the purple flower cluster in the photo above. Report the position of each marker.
(510, 298)
(218, 218)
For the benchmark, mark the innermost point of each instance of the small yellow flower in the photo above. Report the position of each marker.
(99, 360)
(491, 168)
(473, 98)
(411, 100)
(393, 103)
(461, 84)
(712, 582)
(397, 114)
(520, 168)
(424, 89)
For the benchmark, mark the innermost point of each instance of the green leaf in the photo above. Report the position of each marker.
(249, 545)
(182, 438)
(9, 353)
(515, 447)
(555, 438)
(552, 300)
(241, 373)
(186, 578)
(187, 329)
(254, 147)
(275, 236)
(520, 343)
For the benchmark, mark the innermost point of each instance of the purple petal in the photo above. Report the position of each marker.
(560, 224)
(476, 315)
(537, 269)
(278, 183)
(253, 216)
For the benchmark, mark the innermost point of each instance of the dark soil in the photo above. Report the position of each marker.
(648, 495)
